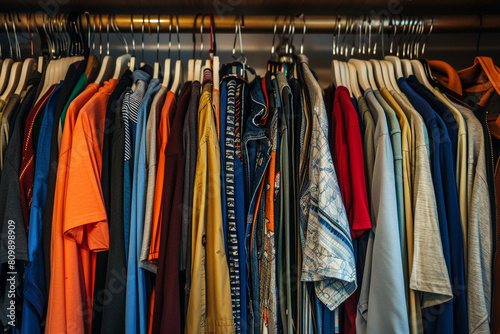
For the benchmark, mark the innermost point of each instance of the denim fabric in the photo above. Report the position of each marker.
(255, 151)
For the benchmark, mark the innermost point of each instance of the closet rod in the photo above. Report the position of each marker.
(265, 24)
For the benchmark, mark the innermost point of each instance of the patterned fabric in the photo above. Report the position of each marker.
(328, 257)
(232, 238)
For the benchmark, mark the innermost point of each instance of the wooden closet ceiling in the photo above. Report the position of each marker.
(259, 7)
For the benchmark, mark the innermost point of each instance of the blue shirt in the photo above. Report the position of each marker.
(130, 106)
(35, 294)
(136, 307)
(442, 321)
(455, 232)
(441, 109)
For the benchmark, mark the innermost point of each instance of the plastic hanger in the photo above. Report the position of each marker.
(7, 63)
(15, 72)
(396, 62)
(108, 65)
(356, 92)
(371, 79)
(28, 65)
(166, 74)
(420, 73)
(15, 75)
(391, 74)
(122, 62)
(361, 70)
(178, 64)
(407, 69)
(377, 71)
(347, 78)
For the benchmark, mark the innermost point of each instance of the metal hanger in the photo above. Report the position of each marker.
(178, 64)
(15, 70)
(122, 62)
(142, 41)
(156, 66)
(191, 61)
(108, 65)
(166, 74)
(198, 74)
(29, 63)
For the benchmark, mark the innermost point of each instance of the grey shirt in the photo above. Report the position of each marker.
(428, 272)
(479, 232)
(151, 161)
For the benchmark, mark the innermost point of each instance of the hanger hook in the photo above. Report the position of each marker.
(178, 38)
(132, 33)
(169, 36)
(369, 35)
(142, 35)
(18, 48)
(428, 34)
(107, 35)
(303, 33)
(291, 34)
(38, 33)
(117, 30)
(8, 35)
(379, 34)
(201, 34)
(339, 25)
(158, 39)
(274, 35)
(365, 33)
(237, 33)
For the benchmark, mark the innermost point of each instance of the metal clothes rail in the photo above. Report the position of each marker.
(262, 24)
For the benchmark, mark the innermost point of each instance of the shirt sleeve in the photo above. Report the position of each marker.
(85, 214)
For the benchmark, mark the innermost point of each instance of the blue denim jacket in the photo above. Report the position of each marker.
(256, 147)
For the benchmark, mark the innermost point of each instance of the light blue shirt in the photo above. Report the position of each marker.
(136, 308)
(383, 282)
(397, 151)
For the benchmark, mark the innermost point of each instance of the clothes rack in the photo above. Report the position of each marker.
(265, 24)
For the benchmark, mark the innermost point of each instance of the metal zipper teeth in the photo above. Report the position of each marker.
(495, 197)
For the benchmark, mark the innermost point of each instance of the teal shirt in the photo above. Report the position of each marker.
(79, 87)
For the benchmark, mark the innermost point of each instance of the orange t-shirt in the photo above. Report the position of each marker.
(163, 133)
(79, 226)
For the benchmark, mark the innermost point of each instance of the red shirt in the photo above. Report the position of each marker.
(349, 163)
